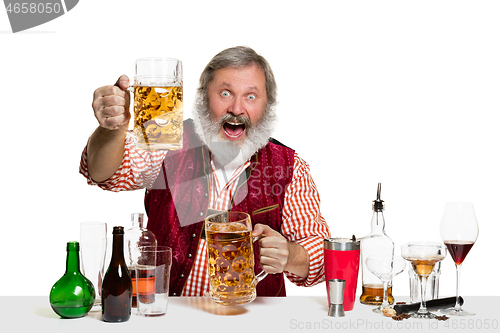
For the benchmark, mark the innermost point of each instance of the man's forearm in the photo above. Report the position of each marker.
(105, 153)
(298, 260)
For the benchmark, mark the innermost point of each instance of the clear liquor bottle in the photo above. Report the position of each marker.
(135, 237)
(375, 243)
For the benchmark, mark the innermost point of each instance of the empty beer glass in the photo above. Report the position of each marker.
(93, 254)
(158, 113)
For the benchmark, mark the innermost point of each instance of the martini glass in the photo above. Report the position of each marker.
(423, 256)
(459, 232)
(385, 268)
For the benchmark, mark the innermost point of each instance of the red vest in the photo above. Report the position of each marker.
(178, 203)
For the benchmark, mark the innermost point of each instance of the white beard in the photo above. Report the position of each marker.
(228, 153)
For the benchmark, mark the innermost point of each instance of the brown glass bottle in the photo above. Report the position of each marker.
(117, 284)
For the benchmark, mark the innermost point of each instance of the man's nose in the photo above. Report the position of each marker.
(237, 108)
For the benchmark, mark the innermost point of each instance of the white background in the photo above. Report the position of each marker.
(405, 93)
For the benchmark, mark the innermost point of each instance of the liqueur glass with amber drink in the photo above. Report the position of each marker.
(231, 260)
(423, 256)
(158, 116)
(459, 230)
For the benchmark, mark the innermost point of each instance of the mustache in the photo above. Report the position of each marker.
(235, 119)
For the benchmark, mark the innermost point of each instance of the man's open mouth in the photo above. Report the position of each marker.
(234, 130)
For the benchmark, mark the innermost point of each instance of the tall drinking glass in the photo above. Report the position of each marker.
(459, 230)
(152, 280)
(158, 116)
(93, 254)
(423, 256)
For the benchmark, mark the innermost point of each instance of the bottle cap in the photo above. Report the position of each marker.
(118, 231)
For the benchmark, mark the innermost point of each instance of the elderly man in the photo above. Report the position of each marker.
(228, 162)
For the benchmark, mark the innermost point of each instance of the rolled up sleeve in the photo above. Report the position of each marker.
(138, 169)
(304, 224)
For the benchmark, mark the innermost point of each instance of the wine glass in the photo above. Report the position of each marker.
(93, 254)
(459, 232)
(423, 256)
(385, 268)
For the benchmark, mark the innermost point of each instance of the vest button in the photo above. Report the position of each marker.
(190, 255)
(205, 195)
(201, 214)
(182, 276)
(193, 235)
(174, 294)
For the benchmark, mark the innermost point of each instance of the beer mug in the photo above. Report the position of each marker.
(231, 259)
(158, 113)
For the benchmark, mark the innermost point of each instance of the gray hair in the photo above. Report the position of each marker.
(238, 57)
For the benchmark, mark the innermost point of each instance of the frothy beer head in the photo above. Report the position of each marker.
(227, 227)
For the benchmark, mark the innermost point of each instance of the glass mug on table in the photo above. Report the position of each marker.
(158, 116)
(231, 258)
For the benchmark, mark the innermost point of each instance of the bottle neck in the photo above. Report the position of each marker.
(137, 224)
(72, 261)
(117, 254)
(378, 222)
(137, 220)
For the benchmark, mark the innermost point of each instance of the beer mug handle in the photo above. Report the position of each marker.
(259, 277)
(131, 89)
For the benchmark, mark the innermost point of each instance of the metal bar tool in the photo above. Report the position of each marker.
(336, 293)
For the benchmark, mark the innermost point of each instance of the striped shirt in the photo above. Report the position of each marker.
(302, 221)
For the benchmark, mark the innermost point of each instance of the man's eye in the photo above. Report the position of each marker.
(225, 93)
(251, 97)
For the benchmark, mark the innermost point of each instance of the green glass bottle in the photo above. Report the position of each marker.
(73, 295)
